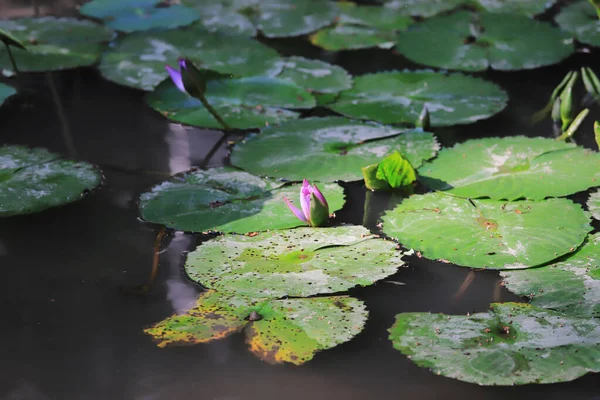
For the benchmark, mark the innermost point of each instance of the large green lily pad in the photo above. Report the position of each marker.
(227, 200)
(274, 18)
(243, 103)
(399, 97)
(277, 331)
(328, 149)
(54, 43)
(512, 168)
(296, 262)
(139, 15)
(5, 92)
(360, 27)
(138, 60)
(512, 344)
(581, 20)
(571, 286)
(593, 204)
(476, 41)
(32, 180)
(487, 233)
(314, 75)
(429, 8)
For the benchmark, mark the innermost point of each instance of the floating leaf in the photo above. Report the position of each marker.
(580, 19)
(428, 8)
(399, 97)
(296, 262)
(571, 286)
(139, 15)
(54, 43)
(360, 27)
(219, 16)
(513, 343)
(475, 42)
(277, 331)
(32, 180)
(327, 149)
(243, 103)
(593, 204)
(487, 233)
(5, 92)
(225, 199)
(138, 60)
(315, 75)
(512, 168)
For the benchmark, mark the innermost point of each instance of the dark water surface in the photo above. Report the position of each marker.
(70, 331)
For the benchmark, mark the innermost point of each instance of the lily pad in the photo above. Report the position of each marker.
(512, 344)
(429, 8)
(220, 16)
(593, 204)
(581, 20)
(32, 180)
(314, 75)
(360, 27)
(277, 331)
(328, 149)
(243, 103)
(512, 168)
(5, 92)
(54, 43)
(474, 42)
(274, 18)
(399, 97)
(226, 200)
(571, 286)
(138, 60)
(487, 233)
(296, 262)
(139, 15)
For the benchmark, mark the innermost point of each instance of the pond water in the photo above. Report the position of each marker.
(72, 326)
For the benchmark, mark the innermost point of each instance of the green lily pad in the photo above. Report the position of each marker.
(226, 200)
(277, 331)
(314, 75)
(220, 16)
(139, 15)
(474, 42)
(571, 286)
(5, 92)
(54, 43)
(296, 262)
(512, 168)
(32, 180)
(488, 233)
(581, 20)
(593, 204)
(512, 344)
(243, 103)
(138, 60)
(429, 8)
(274, 18)
(328, 149)
(360, 27)
(399, 97)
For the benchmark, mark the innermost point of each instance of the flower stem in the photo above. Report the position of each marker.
(213, 150)
(12, 59)
(214, 113)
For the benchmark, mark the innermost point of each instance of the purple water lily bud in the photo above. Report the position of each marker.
(315, 210)
(188, 79)
(176, 77)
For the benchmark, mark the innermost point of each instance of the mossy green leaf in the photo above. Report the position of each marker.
(488, 233)
(328, 149)
(396, 171)
(477, 41)
(296, 262)
(581, 20)
(314, 75)
(54, 43)
(571, 286)
(399, 97)
(512, 168)
(32, 180)
(429, 8)
(593, 204)
(512, 344)
(243, 103)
